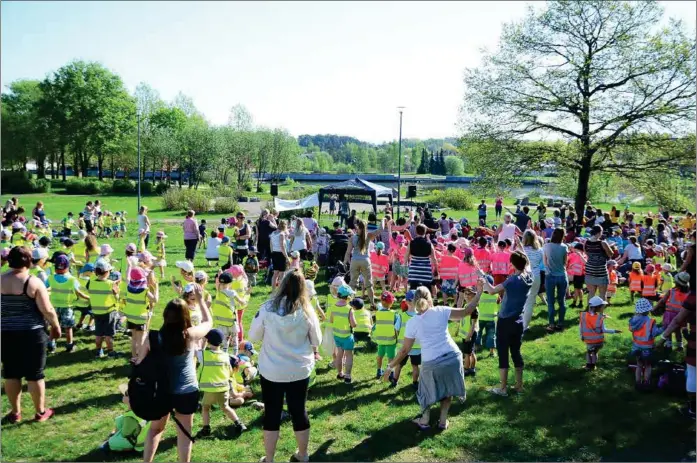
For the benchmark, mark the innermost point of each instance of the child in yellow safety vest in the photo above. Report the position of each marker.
(104, 294)
(214, 375)
(5, 237)
(130, 431)
(672, 302)
(239, 391)
(82, 305)
(241, 285)
(469, 339)
(592, 330)
(385, 330)
(39, 256)
(667, 281)
(223, 311)
(68, 224)
(65, 289)
(644, 330)
(139, 297)
(160, 252)
(407, 313)
(343, 320)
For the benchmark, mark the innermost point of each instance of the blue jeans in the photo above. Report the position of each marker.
(558, 284)
(487, 334)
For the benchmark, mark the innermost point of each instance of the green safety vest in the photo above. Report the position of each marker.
(341, 325)
(222, 313)
(5, 244)
(384, 334)
(405, 317)
(488, 308)
(68, 223)
(102, 296)
(363, 321)
(92, 256)
(118, 442)
(62, 294)
(214, 372)
(136, 309)
(241, 289)
(18, 239)
(80, 302)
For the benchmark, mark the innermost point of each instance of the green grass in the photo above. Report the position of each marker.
(565, 414)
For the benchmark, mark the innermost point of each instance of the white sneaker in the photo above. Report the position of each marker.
(498, 391)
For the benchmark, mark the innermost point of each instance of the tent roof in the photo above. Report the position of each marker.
(359, 186)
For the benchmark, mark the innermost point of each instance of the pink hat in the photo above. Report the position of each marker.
(131, 247)
(236, 271)
(145, 256)
(399, 239)
(467, 253)
(4, 253)
(106, 249)
(137, 274)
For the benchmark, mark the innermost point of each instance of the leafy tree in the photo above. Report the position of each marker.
(424, 167)
(20, 126)
(595, 73)
(454, 166)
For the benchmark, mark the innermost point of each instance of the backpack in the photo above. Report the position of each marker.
(148, 386)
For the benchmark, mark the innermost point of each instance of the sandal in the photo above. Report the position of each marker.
(443, 426)
(421, 426)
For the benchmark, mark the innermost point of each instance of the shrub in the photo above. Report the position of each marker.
(248, 185)
(80, 186)
(224, 205)
(301, 192)
(182, 199)
(41, 185)
(146, 188)
(57, 183)
(289, 181)
(454, 198)
(23, 182)
(261, 188)
(161, 187)
(125, 186)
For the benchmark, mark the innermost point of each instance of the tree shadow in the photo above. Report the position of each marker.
(100, 455)
(116, 371)
(535, 332)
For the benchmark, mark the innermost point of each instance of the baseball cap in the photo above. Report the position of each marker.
(6, 234)
(310, 286)
(161, 234)
(185, 265)
(39, 253)
(410, 295)
(200, 275)
(597, 301)
(387, 297)
(338, 281)
(236, 271)
(643, 306)
(88, 267)
(248, 346)
(103, 265)
(650, 268)
(189, 288)
(131, 247)
(68, 242)
(357, 303)
(215, 336)
(60, 262)
(380, 245)
(234, 361)
(636, 265)
(226, 239)
(225, 278)
(344, 291)
(612, 263)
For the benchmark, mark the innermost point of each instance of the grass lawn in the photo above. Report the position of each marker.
(565, 414)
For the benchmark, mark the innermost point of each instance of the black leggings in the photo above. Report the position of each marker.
(296, 396)
(509, 336)
(190, 248)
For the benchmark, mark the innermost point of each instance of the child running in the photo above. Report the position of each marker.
(65, 289)
(103, 299)
(385, 331)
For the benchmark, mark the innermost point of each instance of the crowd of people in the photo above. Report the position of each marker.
(488, 276)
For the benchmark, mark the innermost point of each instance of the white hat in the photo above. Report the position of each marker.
(310, 286)
(200, 275)
(39, 253)
(81, 233)
(338, 281)
(185, 265)
(6, 234)
(667, 267)
(131, 247)
(596, 301)
(189, 288)
(643, 305)
(103, 265)
(682, 279)
(18, 226)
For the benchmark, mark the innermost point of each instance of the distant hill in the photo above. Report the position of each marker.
(332, 143)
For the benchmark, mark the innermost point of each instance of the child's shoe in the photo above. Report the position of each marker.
(12, 418)
(347, 379)
(379, 374)
(69, 348)
(239, 427)
(52, 347)
(100, 354)
(204, 432)
(393, 383)
(45, 416)
(391, 377)
(473, 372)
(113, 354)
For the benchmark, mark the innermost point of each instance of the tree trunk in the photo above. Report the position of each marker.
(584, 175)
(84, 164)
(62, 159)
(54, 165)
(113, 168)
(100, 165)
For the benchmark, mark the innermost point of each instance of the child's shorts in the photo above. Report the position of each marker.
(105, 325)
(387, 351)
(122, 228)
(84, 310)
(134, 326)
(594, 347)
(579, 280)
(66, 318)
(468, 346)
(449, 287)
(215, 398)
(228, 331)
(643, 356)
(415, 360)
(346, 343)
(108, 230)
(668, 317)
(487, 334)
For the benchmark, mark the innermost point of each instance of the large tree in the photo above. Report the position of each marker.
(20, 126)
(595, 73)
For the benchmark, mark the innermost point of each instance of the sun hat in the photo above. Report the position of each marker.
(380, 245)
(310, 287)
(410, 295)
(295, 254)
(18, 226)
(345, 291)
(596, 301)
(103, 265)
(185, 265)
(225, 278)
(387, 297)
(636, 266)
(160, 234)
(145, 256)
(137, 274)
(667, 267)
(682, 279)
(338, 281)
(131, 247)
(200, 275)
(215, 337)
(357, 303)
(236, 271)
(249, 347)
(106, 249)
(39, 253)
(189, 288)
(650, 268)
(87, 268)
(6, 234)
(643, 305)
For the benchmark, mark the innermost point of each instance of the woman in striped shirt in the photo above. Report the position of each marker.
(421, 258)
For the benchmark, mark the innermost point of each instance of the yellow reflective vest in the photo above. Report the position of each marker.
(405, 317)
(136, 308)
(214, 372)
(384, 333)
(363, 321)
(341, 326)
(62, 294)
(102, 296)
(223, 315)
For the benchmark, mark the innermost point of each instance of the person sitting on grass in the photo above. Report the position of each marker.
(130, 431)
(592, 330)
(214, 376)
(644, 330)
(239, 393)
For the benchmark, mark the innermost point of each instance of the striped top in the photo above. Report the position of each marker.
(597, 259)
(19, 312)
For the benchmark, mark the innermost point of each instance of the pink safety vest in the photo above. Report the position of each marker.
(576, 266)
(467, 275)
(483, 256)
(500, 263)
(379, 265)
(447, 267)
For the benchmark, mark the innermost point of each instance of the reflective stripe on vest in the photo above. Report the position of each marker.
(62, 294)
(214, 372)
(675, 300)
(102, 296)
(363, 321)
(467, 275)
(80, 302)
(136, 309)
(483, 257)
(222, 313)
(405, 317)
(379, 265)
(384, 334)
(240, 287)
(635, 281)
(499, 263)
(649, 288)
(591, 326)
(341, 325)
(642, 336)
(447, 267)
(576, 267)
(613, 281)
(488, 307)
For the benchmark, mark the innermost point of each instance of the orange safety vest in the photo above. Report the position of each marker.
(675, 300)
(500, 262)
(447, 267)
(467, 275)
(591, 326)
(650, 283)
(379, 265)
(613, 281)
(483, 256)
(576, 266)
(642, 336)
(635, 281)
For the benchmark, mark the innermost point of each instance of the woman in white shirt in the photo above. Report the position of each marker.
(279, 252)
(533, 249)
(442, 376)
(508, 229)
(144, 224)
(300, 240)
(289, 331)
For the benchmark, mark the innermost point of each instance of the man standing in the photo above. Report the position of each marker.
(482, 213)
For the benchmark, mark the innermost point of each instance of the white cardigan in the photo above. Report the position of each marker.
(286, 352)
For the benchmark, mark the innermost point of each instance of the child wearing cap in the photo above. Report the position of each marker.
(117, 224)
(104, 294)
(247, 372)
(81, 305)
(201, 278)
(39, 256)
(214, 375)
(223, 311)
(343, 320)
(81, 221)
(644, 330)
(635, 278)
(407, 312)
(251, 266)
(592, 330)
(241, 286)
(186, 270)
(671, 304)
(385, 331)
(160, 261)
(108, 224)
(18, 234)
(364, 321)
(68, 224)
(130, 431)
(294, 261)
(239, 393)
(667, 281)
(225, 253)
(212, 251)
(65, 289)
(139, 300)
(5, 237)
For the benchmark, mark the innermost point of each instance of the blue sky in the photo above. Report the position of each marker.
(310, 67)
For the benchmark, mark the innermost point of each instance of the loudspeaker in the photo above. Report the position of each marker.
(274, 189)
(411, 191)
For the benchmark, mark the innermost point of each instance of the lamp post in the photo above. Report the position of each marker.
(399, 163)
(139, 173)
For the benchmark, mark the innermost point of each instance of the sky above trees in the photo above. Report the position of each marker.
(313, 67)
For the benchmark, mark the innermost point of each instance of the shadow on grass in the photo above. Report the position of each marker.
(99, 455)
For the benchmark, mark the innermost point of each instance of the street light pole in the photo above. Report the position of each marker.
(399, 164)
(139, 173)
